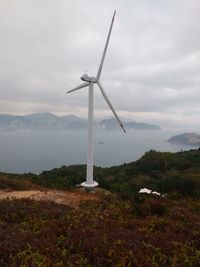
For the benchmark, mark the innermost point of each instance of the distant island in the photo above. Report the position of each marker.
(48, 121)
(192, 139)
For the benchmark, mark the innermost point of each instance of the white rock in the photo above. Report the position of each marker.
(148, 191)
(145, 190)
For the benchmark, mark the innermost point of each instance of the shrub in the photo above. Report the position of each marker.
(9, 183)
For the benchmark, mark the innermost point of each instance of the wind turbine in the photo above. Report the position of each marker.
(90, 81)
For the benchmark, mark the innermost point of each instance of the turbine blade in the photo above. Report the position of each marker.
(79, 87)
(110, 105)
(105, 49)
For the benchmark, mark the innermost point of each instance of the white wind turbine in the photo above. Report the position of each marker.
(90, 81)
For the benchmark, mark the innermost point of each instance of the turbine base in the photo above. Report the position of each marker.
(94, 184)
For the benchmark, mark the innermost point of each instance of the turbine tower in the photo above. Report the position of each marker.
(90, 81)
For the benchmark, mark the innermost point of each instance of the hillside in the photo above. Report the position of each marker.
(161, 171)
(164, 172)
(122, 228)
(148, 232)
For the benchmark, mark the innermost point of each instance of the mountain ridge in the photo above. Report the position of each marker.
(50, 121)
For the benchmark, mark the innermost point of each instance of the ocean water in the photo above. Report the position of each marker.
(27, 151)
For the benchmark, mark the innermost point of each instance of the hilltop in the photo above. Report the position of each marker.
(120, 228)
(164, 172)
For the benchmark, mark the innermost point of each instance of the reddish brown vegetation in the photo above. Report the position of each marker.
(107, 233)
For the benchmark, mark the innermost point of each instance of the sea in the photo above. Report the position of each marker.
(36, 151)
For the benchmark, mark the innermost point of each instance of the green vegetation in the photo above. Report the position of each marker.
(16, 181)
(168, 173)
(165, 172)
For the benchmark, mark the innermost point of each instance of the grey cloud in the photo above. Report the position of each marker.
(152, 65)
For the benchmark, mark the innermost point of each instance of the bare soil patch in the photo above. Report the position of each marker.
(60, 197)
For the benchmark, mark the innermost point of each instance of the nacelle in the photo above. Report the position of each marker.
(87, 78)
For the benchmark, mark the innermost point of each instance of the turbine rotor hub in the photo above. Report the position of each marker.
(87, 78)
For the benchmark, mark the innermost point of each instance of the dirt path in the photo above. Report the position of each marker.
(61, 197)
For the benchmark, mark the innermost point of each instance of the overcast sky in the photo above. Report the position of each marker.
(151, 71)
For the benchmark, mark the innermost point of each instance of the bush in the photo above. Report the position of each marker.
(8, 183)
(150, 205)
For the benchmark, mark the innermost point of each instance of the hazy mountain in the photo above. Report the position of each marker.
(192, 139)
(46, 116)
(111, 124)
(12, 122)
(49, 121)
